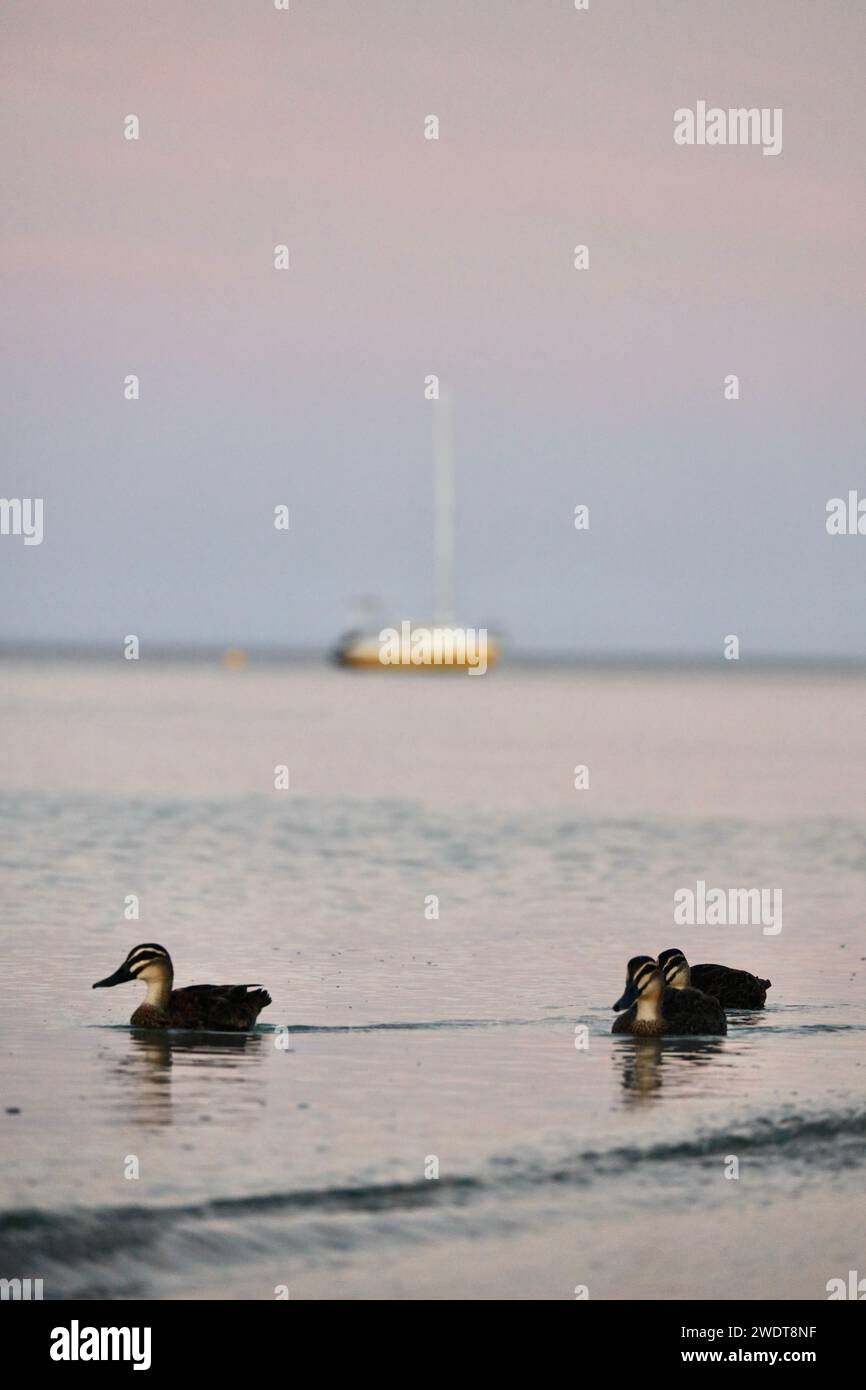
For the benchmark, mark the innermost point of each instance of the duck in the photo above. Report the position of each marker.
(662, 1011)
(734, 989)
(224, 1008)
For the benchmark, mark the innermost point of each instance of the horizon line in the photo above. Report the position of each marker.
(297, 654)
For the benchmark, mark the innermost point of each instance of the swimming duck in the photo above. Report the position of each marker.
(225, 1008)
(734, 989)
(657, 1010)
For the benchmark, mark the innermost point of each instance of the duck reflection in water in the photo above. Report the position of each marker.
(146, 1068)
(647, 1062)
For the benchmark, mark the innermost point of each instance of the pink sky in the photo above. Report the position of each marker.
(259, 127)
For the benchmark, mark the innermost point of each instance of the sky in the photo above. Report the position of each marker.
(455, 257)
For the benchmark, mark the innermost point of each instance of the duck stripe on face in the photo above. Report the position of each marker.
(140, 956)
(642, 978)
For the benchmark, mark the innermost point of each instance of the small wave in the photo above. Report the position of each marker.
(409, 1026)
(805, 1029)
(150, 1250)
(87, 1237)
(426, 1025)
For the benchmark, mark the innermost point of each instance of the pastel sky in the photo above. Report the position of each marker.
(453, 257)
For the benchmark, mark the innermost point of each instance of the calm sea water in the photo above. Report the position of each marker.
(410, 1039)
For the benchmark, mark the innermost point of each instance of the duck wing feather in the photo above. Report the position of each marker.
(234, 1008)
(734, 989)
(689, 1011)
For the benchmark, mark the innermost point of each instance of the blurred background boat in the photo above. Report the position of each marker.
(362, 646)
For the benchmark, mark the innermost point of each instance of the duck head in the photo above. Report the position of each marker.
(675, 968)
(644, 985)
(150, 963)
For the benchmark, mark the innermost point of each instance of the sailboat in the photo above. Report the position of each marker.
(439, 646)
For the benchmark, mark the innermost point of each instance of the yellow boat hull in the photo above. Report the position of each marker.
(420, 649)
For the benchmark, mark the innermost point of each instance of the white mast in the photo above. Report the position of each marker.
(443, 471)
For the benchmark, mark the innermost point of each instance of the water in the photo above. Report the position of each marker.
(412, 1039)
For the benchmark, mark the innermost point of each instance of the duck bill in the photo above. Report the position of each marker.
(627, 998)
(120, 977)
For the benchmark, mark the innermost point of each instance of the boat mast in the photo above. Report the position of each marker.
(443, 482)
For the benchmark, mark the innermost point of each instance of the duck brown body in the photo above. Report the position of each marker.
(734, 989)
(225, 1008)
(220, 1008)
(682, 1013)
